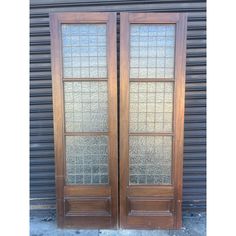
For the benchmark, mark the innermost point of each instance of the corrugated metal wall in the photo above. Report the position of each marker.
(42, 184)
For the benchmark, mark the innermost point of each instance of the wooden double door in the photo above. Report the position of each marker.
(118, 168)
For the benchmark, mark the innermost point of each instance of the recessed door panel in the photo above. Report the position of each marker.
(151, 119)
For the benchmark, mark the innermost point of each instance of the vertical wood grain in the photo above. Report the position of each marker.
(112, 103)
(124, 114)
(58, 115)
(180, 62)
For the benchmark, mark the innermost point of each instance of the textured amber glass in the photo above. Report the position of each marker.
(86, 160)
(150, 160)
(151, 99)
(84, 50)
(152, 51)
(86, 106)
(151, 106)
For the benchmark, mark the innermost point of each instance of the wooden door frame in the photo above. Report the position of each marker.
(105, 191)
(175, 189)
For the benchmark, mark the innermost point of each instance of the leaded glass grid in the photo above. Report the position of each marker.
(84, 50)
(152, 49)
(151, 106)
(150, 160)
(86, 160)
(86, 106)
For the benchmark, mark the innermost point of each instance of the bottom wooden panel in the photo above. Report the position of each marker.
(88, 212)
(87, 206)
(149, 213)
(149, 206)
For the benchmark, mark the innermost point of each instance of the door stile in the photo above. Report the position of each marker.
(124, 114)
(181, 35)
(58, 116)
(112, 101)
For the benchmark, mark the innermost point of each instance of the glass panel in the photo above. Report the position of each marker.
(152, 50)
(151, 106)
(150, 160)
(84, 50)
(86, 106)
(86, 160)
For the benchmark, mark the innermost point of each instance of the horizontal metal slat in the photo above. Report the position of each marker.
(51, 3)
(138, 7)
(41, 146)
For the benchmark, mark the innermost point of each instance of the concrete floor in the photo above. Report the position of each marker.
(42, 225)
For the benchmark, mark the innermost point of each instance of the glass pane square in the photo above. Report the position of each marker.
(151, 164)
(151, 101)
(84, 101)
(152, 45)
(86, 160)
(84, 45)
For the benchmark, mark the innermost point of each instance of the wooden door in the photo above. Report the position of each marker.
(85, 118)
(152, 87)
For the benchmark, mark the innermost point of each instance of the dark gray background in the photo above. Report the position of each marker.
(42, 183)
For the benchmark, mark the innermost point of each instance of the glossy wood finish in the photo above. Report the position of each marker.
(124, 116)
(88, 206)
(149, 206)
(152, 206)
(146, 191)
(181, 35)
(89, 191)
(58, 116)
(79, 205)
